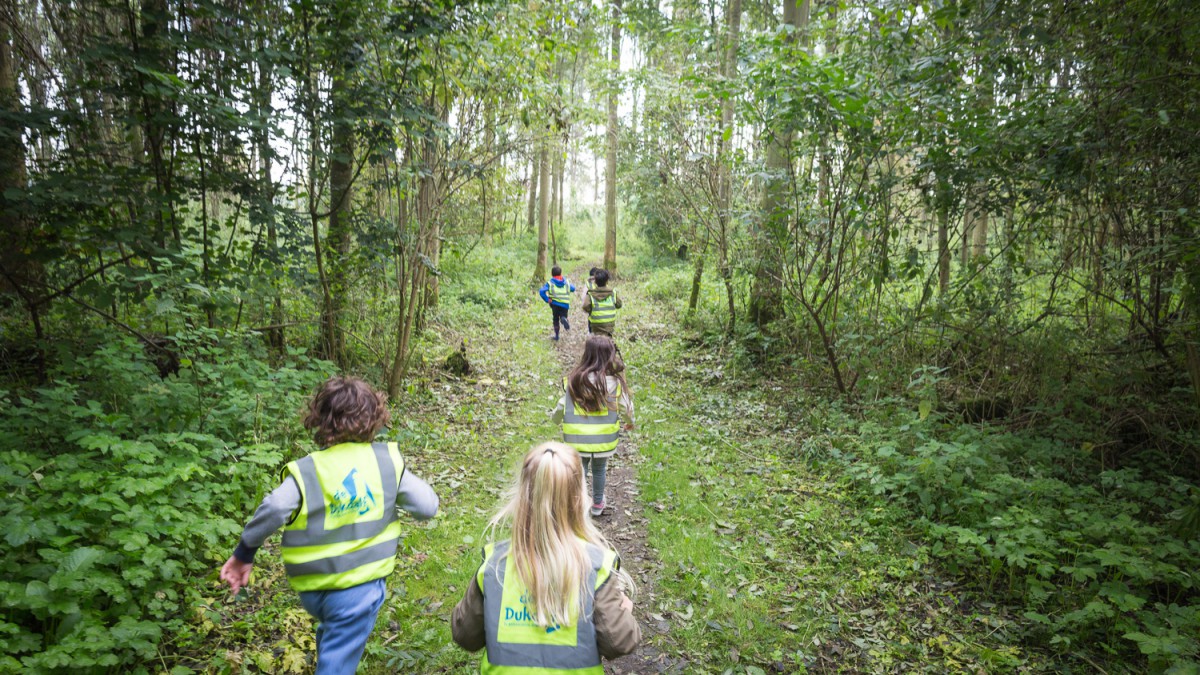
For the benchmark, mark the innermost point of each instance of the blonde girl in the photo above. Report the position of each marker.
(551, 595)
(593, 393)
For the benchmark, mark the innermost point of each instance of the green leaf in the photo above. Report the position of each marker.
(80, 560)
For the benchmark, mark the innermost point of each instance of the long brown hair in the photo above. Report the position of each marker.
(346, 410)
(586, 382)
(547, 513)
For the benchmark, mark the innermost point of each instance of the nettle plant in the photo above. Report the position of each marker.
(124, 490)
(1094, 558)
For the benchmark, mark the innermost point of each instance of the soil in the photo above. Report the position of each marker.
(623, 522)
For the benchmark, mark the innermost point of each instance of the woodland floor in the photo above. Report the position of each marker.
(749, 558)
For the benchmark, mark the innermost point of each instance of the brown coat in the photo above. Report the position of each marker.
(600, 294)
(617, 631)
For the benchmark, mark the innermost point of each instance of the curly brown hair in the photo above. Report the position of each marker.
(346, 410)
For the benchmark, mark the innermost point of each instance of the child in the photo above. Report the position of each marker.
(339, 510)
(557, 293)
(601, 305)
(591, 281)
(593, 392)
(545, 600)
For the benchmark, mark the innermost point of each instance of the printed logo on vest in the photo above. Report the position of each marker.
(516, 623)
(354, 496)
(522, 617)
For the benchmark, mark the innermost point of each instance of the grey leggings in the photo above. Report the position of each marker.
(598, 467)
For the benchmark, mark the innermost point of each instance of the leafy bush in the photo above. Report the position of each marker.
(125, 490)
(1090, 555)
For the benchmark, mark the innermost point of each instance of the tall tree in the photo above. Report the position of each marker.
(539, 272)
(610, 157)
(22, 273)
(765, 302)
(724, 155)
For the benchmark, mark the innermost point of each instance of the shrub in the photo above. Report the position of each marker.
(125, 490)
(1089, 555)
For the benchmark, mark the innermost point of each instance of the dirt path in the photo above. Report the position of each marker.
(623, 522)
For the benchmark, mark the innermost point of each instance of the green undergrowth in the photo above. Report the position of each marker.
(1099, 561)
(916, 541)
(119, 485)
(770, 563)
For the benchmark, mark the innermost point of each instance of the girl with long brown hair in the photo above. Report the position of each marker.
(594, 392)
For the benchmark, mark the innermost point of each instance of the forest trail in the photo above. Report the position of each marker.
(747, 560)
(624, 522)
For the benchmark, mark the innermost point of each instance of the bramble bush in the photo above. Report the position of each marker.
(125, 490)
(1090, 555)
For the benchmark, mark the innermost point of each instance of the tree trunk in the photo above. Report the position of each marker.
(765, 294)
(338, 236)
(19, 272)
(979, 234)
(534, 172)
(262, 140)
(434, 167)
(725, 181)
(943, 243)
(610, 162)
(151, 52)
(968, 224)
(539, 272)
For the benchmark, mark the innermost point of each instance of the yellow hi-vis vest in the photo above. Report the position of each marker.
(560, 294)
(516, 645)
(589, 432)
(604, 311)
(345, 532)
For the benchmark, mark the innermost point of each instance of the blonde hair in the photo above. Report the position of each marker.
(547, 513)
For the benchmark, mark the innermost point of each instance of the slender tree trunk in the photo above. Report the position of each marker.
(338, 236)
(943, 243)
(697, 277)
(152, 52)
(610, 163)
(968, 225)
(329, 332)
(724, 158)
(485, 180)
(275, 335)
(555, 163)
(539, 272)
(534, 172)
(435, 169)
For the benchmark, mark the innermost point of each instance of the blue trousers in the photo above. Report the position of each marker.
(345, 618)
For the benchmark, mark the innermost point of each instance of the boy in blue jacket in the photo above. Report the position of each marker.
(557, 293)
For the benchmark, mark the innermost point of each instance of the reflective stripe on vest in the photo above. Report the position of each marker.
(560, 294)
(515, 643)
(604, 311)
(346, 531)
(589, 432)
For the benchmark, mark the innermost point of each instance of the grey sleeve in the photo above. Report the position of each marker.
(273, 513)
(556, 415)
(416, 497)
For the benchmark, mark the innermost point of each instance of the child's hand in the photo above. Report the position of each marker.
(236, 573)
(626, 604)
(630, 426)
